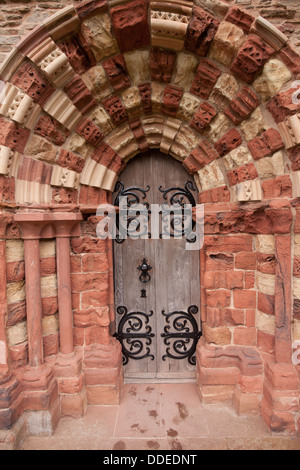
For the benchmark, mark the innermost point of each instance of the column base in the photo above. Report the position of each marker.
(68, 372)
(103, 373)
(11, 401)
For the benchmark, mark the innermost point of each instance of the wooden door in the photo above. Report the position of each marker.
(158, 311)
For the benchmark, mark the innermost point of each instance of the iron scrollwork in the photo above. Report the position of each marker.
(135, 334)
(144, 268)
(181, 222)
(126, 223)
(181, 334)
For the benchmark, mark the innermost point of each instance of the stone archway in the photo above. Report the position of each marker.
(95, 85)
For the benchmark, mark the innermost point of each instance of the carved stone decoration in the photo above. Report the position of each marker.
(211, 176)
(29, 80)
(269, 142)
(138, 65)
(12, 135)
(62, 23)
(64, 177)
(203, 116)
(205, 78)
(98, 176)
(290, 130)
(90, 132)
(282, 105)
(274, 75)
(115, 68)
(169, 133)
(51, 129)
(187, 107)
(123, 142)
(249, 191)
(19, 107)
(185, 68)
(242, 173)
(162, 63)
(33, 182)
(224, 91)
(53, 62)
(240, 18)
(169, 24)
(102, 120)
(153, 127)
(80, 95)
(251, 58)
(70, 160)
(62, 109)
(185, 141)
(201, 156)
(132, 101)
(201, 30)
(228, 142)
(98, 83)
(6, 156)
(171, 99)
(145, 93)
(131, 25)
(242, 106)
(80, 58)
(270, 33)
(115, 109)
(139, 134)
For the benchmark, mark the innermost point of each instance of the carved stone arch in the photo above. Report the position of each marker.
(214, 87)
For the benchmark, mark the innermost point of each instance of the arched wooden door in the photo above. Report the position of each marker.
(157, 310)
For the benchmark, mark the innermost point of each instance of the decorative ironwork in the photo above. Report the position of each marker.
(181, 201)
(143, 294)
(135, 334)
(130, 224)
(181, 334)
(144, 267)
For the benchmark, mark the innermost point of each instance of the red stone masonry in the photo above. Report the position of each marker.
(90, 132)
(268, 143)
(79, 56)
(131, 25)
(243, 173)
(240, 18)
(201, 156)
(231, 140)
(203, 116)
(51, 129)
(171, 99)
(205, 78)
(242, 106)
(68, 159)
(29, 80)
(162, 63)
(201, 31)
(13, 136)
(115, 109)
(116, 72)
(81, 96)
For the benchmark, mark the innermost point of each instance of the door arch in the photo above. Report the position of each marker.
(157, 310)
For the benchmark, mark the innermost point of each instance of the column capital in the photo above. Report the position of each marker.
(36, 225)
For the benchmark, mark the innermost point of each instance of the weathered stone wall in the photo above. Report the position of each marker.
(19, 17)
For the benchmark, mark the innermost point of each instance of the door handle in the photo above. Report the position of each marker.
(144, 268)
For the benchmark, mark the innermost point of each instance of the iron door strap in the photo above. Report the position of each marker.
(181, 334)
(135, 334)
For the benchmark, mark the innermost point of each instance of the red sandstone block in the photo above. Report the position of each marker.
(231, 140)
(68, 159)
(201, 30)
(115, 109)
(95, 263)
(269, 142)
(244, 336)
(243, 173)
(90, 7)
(250, 317)
(266, 303)
(64, 196)
(90, 132)
(224, 316)
(296, 266)
(249, 279)
(145, 93)
(235, 280)
(116, 71)
(13, 135)
(242, 106)
(76, 301)
(95, 334)
(219, 261)
(205, 78)
(29, 80)
(80, 95)
(18, 355)
(203, 116)
(265, 342)
(51, 345)
(15, 313)
(294, 156)
(251, 384)
(90, 195)
(171, 99)
(89, 281)
(229, 243)
(7, 189)
(244, 299)
(215, 195)
(245, 261)
(47, 266)
(218, 298)
(228, 376)
(282, 105)
(240, 18)
(139, 134)
(201, 156)
(79, 56)
(49, 306)
(291, 58)
(94, 299)
(278, 187)
(266, 263)
(76, 263)
(131, 25)
(251, 57)
(162, 63)
(51, 129)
